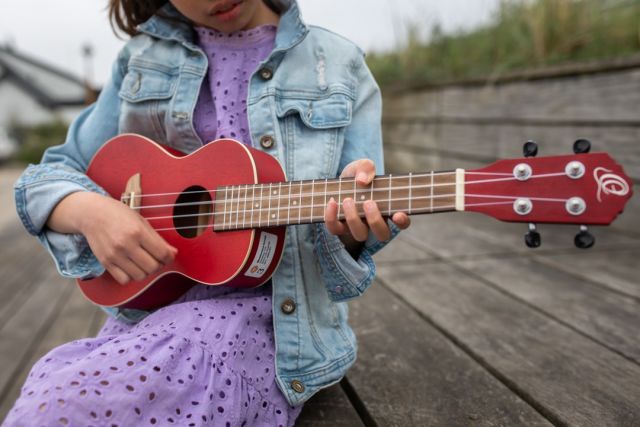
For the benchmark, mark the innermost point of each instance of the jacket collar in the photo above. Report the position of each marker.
(169, 24)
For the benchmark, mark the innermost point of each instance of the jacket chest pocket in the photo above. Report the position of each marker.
(146, 94)
(313, 132)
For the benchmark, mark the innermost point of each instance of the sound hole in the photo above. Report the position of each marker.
(192, 212)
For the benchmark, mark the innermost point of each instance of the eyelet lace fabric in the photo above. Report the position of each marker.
(206, 360)
(221, 111)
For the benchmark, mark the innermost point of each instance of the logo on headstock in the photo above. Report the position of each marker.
(609, 183)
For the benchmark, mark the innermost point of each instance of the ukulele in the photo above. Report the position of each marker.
(225, 206)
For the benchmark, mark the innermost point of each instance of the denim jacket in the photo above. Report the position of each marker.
(316, 100)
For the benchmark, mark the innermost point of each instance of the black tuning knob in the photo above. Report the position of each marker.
(584, 239)
(581, 146)
(530, 149)
(532, 238)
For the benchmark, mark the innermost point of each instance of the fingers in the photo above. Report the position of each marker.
(359, 230)
(331, 218)
(401, 219)
(118, 274)
(364, 170)
(157, 247)
(377, 224)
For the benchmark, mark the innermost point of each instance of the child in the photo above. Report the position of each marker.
(194, 71)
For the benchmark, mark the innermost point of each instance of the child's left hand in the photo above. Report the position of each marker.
(364, 170)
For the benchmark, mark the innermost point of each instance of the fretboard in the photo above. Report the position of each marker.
(303, 202)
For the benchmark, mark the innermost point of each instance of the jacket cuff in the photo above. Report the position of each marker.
(126, 315)
(37, 192)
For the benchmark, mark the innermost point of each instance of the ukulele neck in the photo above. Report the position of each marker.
(303, 202)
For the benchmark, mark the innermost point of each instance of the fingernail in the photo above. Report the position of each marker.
(362, 177)
(332, 200)
(369, 205)
(348, 203)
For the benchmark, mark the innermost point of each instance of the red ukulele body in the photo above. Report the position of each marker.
(240, 258)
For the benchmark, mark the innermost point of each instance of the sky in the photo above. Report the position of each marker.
(56, 32)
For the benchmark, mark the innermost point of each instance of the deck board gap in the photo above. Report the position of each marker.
(509, 384)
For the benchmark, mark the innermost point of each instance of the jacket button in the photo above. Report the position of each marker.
(267, 141)
(288, 306)
(266, 73)
(297, 386)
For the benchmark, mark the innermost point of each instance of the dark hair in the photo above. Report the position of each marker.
(126, 15)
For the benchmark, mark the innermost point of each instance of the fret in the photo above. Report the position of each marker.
(269, 210)
(300, 203)
(410, 196)
(431, 188)
(401, 194)
(313, 204)
(325, 195)
(258, 205)
(244, 206)
(443, 192)
(339, 196)
(289, 205)
(253, 201)
(372, 185)
(231, 210)
(279, 198)
(224, 214)
(390, 184)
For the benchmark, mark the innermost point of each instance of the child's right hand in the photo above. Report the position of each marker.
(122, 240)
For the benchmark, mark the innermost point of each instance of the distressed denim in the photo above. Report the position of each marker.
(313, 95)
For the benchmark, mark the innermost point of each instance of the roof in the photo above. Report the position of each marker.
(49, 85)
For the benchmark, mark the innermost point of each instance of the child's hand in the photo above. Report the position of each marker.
(364, 171)
(124, 242)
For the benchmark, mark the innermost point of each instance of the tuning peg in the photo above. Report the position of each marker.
(532, 238)
(581, 146)
(584, 239)
(530, 149)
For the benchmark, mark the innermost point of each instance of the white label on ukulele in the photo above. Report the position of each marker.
(264, 255)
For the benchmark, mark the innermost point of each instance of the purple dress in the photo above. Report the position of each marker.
(208, 359)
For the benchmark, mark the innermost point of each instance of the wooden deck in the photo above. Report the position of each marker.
(465, 326)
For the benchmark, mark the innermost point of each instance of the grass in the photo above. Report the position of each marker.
(523, 34)
(35, 139)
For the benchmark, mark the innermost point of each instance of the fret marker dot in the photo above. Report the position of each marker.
(295, 202)
(275, 192)
(273, 215)
(362, 197)
(257, 205)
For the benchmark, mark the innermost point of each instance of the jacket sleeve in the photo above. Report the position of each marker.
(345, 277)
(62, 172)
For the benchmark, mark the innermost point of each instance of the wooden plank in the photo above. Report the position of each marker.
(8, 175)
(598, 97)
(329, 407)
(20, 334)
(470, 235)
(606, 317)
(407, 373)
(72, 321)
(402, 251)
(20, 277)
(568, 377)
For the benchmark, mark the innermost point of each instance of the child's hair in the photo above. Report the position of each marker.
(126, 15)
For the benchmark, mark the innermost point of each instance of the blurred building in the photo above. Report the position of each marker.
(33, 92)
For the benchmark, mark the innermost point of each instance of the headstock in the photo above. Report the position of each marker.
(583, 188)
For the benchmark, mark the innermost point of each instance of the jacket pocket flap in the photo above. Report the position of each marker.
(333, 111)
(141, 84)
